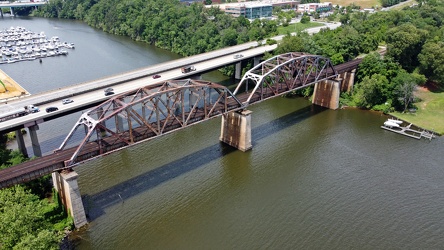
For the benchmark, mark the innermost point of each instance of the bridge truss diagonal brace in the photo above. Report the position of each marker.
(149, 112)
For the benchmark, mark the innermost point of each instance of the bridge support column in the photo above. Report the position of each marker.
(119, 123)
(21, 143)
(256, 60)
(68, 189)
(1, 12)
(236, 130)
(238, 71)
(12, 11)
(326, 94)
(348, 81)
(35, 140)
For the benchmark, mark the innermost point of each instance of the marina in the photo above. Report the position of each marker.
(396, 126)
(19, 44)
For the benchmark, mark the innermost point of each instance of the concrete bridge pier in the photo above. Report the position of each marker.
(21, 143)
(348, 80)
(119, 123)
(256, 60)
(238, 71)
(326, 94)
(35, 140)
(66, 185)
(236, 130)
(12, 11)
(1, 12)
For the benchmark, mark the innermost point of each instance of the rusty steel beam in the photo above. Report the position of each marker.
(148, 112)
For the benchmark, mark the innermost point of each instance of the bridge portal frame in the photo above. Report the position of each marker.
(284, 73)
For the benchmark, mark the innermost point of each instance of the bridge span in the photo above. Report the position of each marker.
(154, 110)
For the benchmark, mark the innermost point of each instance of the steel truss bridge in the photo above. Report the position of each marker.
(154, 110)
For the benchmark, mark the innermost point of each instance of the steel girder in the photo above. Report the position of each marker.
(149, 112)
(284, 73)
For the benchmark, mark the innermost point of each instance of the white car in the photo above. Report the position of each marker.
(66, 101)
(237, 56)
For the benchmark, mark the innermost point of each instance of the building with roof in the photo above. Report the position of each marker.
(314, 7)
(255, 9)
(250, 10)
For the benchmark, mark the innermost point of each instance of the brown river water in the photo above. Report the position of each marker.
(315, 178)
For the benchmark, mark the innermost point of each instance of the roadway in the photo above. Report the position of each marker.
(91, 93)
(7, 4)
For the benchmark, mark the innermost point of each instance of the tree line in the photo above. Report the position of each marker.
(413, 39)
(167, 24)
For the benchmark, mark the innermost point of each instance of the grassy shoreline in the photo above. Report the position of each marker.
(430, 110)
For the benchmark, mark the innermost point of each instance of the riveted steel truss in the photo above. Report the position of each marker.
(149, 112)
(284, 73)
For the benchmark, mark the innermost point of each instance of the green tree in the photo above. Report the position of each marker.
(431, 61)
(371, 91)
(305, 18)
(22, 217)
(405, 92)
(404, 43)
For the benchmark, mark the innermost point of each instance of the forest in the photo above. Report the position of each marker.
(413, 39)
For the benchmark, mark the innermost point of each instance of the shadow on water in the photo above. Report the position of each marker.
(96, 204)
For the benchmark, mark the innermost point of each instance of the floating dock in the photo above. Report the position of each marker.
(417, 133)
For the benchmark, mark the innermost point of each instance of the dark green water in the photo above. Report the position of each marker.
(315, 179)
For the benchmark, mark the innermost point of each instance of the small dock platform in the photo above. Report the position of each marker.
(409, 130)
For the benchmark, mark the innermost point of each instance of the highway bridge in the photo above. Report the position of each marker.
(90, 94)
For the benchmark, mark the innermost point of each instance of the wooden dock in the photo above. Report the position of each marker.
(410, 132)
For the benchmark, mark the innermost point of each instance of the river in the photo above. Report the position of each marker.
(315, 178)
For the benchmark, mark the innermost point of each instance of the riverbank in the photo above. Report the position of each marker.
(429, 113)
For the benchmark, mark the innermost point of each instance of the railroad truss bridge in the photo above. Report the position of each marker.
(146, 113)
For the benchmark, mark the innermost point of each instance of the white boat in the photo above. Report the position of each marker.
(394, 121)
(391, 124)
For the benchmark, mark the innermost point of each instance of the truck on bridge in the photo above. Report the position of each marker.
(19, 112)
(187, 69)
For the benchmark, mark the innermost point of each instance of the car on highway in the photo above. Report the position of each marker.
(109, 91)
(237, 56)
(156, 76)
(51, 109)
(66, 101)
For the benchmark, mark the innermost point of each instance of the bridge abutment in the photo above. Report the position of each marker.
(236, 130)
(348, 80)
(326, 94)
(66, 185)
